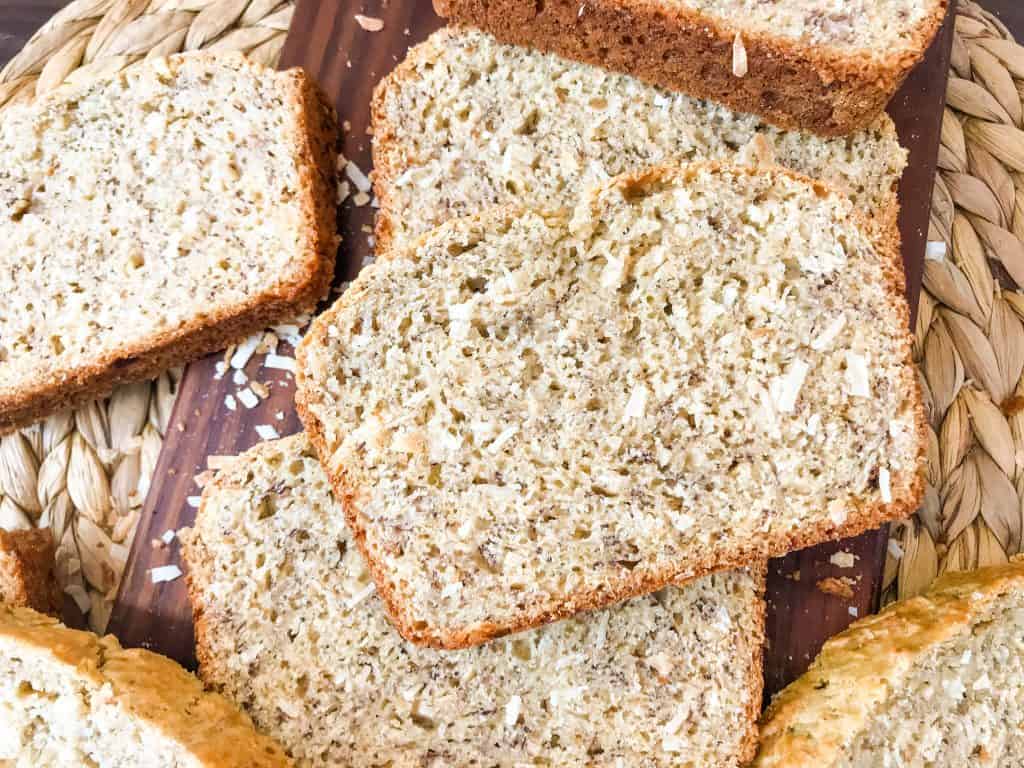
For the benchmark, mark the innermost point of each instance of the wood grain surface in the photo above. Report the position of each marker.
(19, 19)
(348, 61)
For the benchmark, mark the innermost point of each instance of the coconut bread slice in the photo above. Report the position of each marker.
(529, 414)
(70, 698)
(153, 217)
(289, 626)
(932, 681)
(818, 65)
(466, 122)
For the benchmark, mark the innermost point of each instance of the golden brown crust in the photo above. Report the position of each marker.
(907, 486)
(147, 687)
(300, 292)
(790, 83)
(27, 578)
(808, 722)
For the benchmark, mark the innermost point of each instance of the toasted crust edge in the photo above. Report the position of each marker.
(27, 577)
(314, 152)
(231, 474)
(908, 486)
(914, 626)
(789, 83)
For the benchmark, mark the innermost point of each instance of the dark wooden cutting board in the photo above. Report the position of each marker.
(348, 61)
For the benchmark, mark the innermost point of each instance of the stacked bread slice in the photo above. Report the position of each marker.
(465, 122)
(288, 624)
(532, 413)
(818, 65)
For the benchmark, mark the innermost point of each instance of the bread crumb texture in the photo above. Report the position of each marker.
(137, 210)
(466, 122)
(529, 414)
(872, 28)
(289, 627)
(27, 577)
(932, 681)
(70, 698)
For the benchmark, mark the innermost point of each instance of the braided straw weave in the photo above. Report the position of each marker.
(969, 341)
(86, 474)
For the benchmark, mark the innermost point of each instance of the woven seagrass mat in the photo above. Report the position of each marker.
(85, 475)
(969, 340)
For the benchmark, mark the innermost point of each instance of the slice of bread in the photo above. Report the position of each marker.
(70, 698)
(288, 626)
(531, 414)
(27, 577)
(466, 122)
(154, 217)
(820, 65)
(937, 681)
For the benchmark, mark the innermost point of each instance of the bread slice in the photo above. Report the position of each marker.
(820, 65)
(154, 217)
(27, 577)
(288, 626)
(933, 681)
(528, 415)
(466, 122)
(72, 698)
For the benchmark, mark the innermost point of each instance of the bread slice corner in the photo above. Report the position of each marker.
(932, 680)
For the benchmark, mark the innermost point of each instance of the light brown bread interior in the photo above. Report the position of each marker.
(153, 217)
(289, 627)
(465, 122)
(531, 414)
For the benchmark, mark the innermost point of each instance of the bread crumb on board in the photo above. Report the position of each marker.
(838, 587)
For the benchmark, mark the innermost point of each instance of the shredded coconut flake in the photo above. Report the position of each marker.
(739, 56)
(357, 177)
(248, 398)
(168, 536)
(359, 596)
(843, 559)
(857, 380)
(267, 432)
(853, 611)
(637, 403)
(786, 388)
(238, 378)
(164, 573)
(825, 339)
(512, 710)
(245, 350)
(811, 427)
(884, 485)
(229, 402)
(369, 23)
(280, 362)
(504, 437)
(193, 501)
